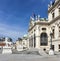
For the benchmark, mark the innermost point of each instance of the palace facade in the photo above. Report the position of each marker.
(40, 29)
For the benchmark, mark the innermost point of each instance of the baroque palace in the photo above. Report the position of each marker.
(40, 29)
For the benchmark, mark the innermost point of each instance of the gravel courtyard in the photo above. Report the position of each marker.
(25, 57)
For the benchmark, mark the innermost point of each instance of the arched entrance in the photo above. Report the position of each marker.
(43, 39)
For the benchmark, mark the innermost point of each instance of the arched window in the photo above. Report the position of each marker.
(43, 39)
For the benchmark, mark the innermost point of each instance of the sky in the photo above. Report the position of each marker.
(15, 16)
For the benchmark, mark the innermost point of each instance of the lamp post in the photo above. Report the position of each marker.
(51, 52)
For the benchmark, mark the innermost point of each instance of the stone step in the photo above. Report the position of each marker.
(31, 51)
(0, 51)
(26, 52)
(42, 52)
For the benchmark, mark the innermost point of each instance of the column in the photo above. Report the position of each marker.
(56, 31)
(37, 37)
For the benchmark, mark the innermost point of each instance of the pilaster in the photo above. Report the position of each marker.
(37, 37)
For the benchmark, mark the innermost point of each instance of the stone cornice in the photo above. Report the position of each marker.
(45, 23)
(52, 21)
(54, 40)
(41, 23)
(54, 6)
(38, 23)
(31, 28)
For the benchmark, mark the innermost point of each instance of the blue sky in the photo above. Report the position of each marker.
(15, 15)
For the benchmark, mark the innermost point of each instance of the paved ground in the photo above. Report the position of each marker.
(25, 57)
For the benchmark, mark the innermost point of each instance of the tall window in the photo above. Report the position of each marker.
(43, 28)
(59, 46)
(59, 11)
(43, 39)
(59, 31)
(34, 40)
(53, 15)
(53, 33)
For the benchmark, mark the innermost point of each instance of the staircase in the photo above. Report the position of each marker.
(0, 50)
(29, 51)
(32, 51)
(43, 53)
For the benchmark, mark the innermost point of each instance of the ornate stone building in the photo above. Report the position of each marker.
(40, 29)
(3, 41)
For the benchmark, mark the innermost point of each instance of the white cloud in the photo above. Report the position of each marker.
(14, 30)
(10, 31)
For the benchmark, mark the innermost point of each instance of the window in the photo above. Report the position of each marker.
(23, 43)
(59, 26)
(53, 15)
(43, 39)
(59, 11)
(53, 47)
(43, 28)
(34, 40)
(59, 46)
(59, 31)
(53, 33)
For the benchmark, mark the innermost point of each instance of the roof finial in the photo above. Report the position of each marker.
(38, 17)
(51, 3)
(31, 18)
(56, 0)
(33, 15)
